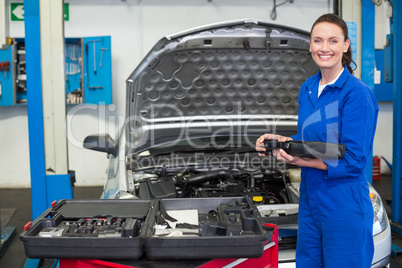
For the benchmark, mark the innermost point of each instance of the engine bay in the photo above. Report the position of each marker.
(265, 186)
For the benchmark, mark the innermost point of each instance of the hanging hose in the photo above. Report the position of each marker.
(273, 12)
(388, 163)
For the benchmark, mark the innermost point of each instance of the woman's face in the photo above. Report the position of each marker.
(327, 45)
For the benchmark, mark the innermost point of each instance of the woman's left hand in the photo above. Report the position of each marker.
(284, 156)
(299, 161)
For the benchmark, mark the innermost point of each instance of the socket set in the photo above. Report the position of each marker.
(94, 227)
(88, 229)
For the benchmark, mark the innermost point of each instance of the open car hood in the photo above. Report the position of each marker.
(242, 74)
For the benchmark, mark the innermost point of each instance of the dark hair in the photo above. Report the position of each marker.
(332, 18)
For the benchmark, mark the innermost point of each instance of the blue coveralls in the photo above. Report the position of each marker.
(335, 211)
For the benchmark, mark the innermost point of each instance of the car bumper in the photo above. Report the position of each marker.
(382, 248)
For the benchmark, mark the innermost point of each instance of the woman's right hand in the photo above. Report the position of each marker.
(260, 142)
(281, 155)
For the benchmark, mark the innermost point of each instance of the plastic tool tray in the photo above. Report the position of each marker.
(202, 228)
(88, 229)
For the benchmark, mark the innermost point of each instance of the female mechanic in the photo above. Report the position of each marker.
(335, 211)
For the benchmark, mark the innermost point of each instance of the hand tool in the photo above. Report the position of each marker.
(94, 52)
(101, 59)
(310, 149)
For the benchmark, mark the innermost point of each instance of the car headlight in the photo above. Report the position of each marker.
(380, 215)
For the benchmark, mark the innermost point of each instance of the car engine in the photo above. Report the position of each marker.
(265, 186)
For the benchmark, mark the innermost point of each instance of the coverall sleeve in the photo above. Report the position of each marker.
(297, 136)
(358, 120)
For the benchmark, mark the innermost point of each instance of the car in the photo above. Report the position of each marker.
(195, 106)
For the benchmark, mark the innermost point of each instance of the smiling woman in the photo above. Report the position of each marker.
(336, 107)
(328, 45)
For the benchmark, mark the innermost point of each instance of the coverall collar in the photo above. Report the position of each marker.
(312, 84)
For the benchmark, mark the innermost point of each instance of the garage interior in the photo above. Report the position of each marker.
(125, 30)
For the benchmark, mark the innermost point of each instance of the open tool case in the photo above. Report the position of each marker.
(88, 229)
(227, 228)
(163, 228)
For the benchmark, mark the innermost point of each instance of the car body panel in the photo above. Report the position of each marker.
(216, 78)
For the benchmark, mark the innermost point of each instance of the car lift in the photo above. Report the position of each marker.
(50, 178)
(46, 108)
(7, 236)
(396, 205)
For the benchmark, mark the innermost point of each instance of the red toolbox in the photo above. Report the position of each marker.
(376, 168)
(269, 259)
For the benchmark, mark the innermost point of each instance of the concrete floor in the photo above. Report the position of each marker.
(15, 204)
